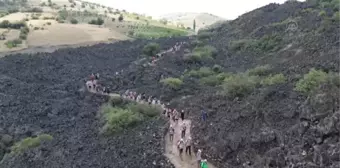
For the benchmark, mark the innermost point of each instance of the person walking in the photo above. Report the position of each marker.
(180, 146)
(182, 115)
(184, 127)
(204, 115)
(171, 133)
(188, 145)
(199, 157)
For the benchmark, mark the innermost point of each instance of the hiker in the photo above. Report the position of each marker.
(204, 163)
(158, 101)
(94, 82)
(169, 113)
(188, 145)
(184, 127)
(171, 133)
(149, 100)
(204, 115)
(89, 85)
(182, 115)
(199, 157)
(96, 76)
(153, 101)
(176, 116)
(92, 77)
(139, 98)
(180, 146)
(173, 114)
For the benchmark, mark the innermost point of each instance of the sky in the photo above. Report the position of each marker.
(228, 9)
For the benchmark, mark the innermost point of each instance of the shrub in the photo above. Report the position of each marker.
(173, 83)
(240, 84)
(274, 79)
(145, 109)
(72, 6)
(13, 43)
(311, 81)
(35, 18)
(74, 21)
(202, 53)
(151, 49)
(113, 19)
(29, 143)
(202, 72)
(34, 10)
(217, 68)
(212, 80)
(336, 16)
(120, 18)
(15, 25)
(98, 21)
(259, 71)
(61, 21)
(117, 119)
(48, 23)
(197, 43)
(36, 28)
(204, 35)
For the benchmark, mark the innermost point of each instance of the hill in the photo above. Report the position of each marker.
(186, 19)
(73, 22)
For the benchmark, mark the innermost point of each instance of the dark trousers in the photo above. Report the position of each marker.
(188, 150)
(182, 116)
(183, 133)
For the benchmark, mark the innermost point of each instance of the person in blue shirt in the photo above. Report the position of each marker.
(204, 115)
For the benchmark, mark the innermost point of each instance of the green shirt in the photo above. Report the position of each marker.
(204, 165)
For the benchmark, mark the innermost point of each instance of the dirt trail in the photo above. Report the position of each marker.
(172, 152)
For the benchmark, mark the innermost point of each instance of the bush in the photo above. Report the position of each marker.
(16, 25)
(212, 80)
(34, 10)
(36, 28)
(204, 35)
(48, 23)
(217, 68)
(35, 18)
(202, 72)
(202, 53)
(151, 49)
(74, 21)
(259, 71)
(117, 119)
(240, 84)
(173, 83)
(120, 18)
(311, 81)
(13, 43)
(274, 79)
(113, 19)
(145, 109)
(29, 143)
(98, 21)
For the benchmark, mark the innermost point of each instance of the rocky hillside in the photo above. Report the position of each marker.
(41, 94)
(268, 81)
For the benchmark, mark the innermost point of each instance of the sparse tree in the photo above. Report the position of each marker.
(120, 18)
(137, 17)
(113, 19)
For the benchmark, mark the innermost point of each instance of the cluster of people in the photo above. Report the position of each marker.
(185, 143)
(173, 49)
(93, 85)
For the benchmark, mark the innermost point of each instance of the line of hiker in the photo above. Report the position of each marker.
(172, 49)
(93, 85)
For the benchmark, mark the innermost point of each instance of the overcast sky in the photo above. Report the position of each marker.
(224, 8)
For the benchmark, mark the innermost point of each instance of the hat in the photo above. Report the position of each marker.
(199, 150)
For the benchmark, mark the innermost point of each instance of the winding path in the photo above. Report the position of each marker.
(171, 151)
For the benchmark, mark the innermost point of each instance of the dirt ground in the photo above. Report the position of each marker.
(64, 34)
(172, 152)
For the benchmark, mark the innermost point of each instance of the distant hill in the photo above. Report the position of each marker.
(202, 19)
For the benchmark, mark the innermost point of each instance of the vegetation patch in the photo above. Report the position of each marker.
(98, 21)
(265, 44)
(201, 53)
(120, 114)
(311, 81)
(151, 49)
(13, 43)
(173, 83)
(152, 32)
(29, 143)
